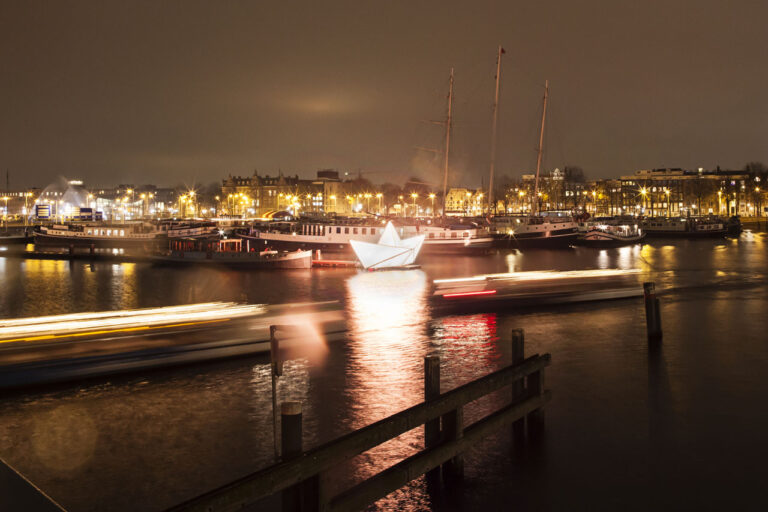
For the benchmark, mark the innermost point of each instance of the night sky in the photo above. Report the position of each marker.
(172, 92)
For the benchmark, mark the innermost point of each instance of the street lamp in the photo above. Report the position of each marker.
(379, 196)
(27, 195)
(367, 197)
(5, 213)
(432, 198)
(414, 195)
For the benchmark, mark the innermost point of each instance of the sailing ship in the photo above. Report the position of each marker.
(545, 230)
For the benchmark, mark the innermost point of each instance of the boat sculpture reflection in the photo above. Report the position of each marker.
(390, 252)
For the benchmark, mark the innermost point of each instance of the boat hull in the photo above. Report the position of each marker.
(15, 240)
(607, 241)
(124, 243)
(561, 239)
(431, 247)
(719, 233)
(241, 260)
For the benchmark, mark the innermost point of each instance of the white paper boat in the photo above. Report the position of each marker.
(390, 251)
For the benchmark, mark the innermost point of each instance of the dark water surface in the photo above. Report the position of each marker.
(682, 427)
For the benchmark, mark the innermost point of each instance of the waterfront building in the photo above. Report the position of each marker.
(266, 195)
(464, 202)
(680, 192)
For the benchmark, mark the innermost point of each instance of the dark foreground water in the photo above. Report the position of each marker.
(685, 427)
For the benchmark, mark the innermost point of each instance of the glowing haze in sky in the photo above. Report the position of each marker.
(187, 92)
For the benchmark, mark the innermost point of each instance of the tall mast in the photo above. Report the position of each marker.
(535, 209)
(447, 142)
(491, 203)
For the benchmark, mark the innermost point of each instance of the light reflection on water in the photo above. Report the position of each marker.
(164, 437)
(388, 320)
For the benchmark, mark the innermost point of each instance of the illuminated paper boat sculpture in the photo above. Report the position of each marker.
(390, 252)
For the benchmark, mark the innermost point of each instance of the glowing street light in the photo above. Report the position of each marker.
(5, 213)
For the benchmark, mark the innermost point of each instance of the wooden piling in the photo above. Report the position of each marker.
(453, 430)
(652, 312)
(431, 392)
(518, 387)
(290, 440)
(92, 249)
(535, 419)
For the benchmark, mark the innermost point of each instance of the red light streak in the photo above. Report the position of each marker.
(468, 294)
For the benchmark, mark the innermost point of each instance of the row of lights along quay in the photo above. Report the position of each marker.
(663, 192)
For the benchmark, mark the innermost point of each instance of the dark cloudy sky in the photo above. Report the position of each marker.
(187, 91)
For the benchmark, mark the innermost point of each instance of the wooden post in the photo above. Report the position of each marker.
(518, 388)
(93, 249)
(652, 312)
(290, 440)
(453, 430)
(277, 370)
(71, 249)
(535, 418)
(432, 391)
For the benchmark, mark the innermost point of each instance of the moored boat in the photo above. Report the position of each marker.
(334, 237)
(98, 235)
(549, 230)
(148, 236)
(610, 233)
(231, 253)
(17, 239)
(685, 227)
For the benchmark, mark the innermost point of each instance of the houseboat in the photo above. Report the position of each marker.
(98, 235)
(232, 253)
(547, 230)
(605, 232)
(334, 237)
(685, 227)
(148, 236)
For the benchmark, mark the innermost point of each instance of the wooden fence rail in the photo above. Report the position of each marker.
(305, 473)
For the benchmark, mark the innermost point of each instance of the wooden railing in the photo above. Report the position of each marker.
(301, 476)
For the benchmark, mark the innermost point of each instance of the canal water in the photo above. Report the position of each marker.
(684, 426)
